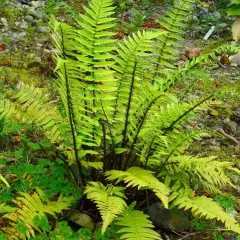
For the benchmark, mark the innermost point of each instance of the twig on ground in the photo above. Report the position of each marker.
(220, 130)
(195, 233)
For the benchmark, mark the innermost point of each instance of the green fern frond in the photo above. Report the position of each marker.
(162, 134)
(136, 226)
(167, 47)
(175, 144)
(203, 58)
(86, 72)
(30, 206)
(206, 207)
(141, 178)
(206, 169)
(4, 180)
(29, 105)
(6, 209)
(128, 67)
(109, 201)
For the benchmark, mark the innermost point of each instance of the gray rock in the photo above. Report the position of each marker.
(29, 18)
(215, 148)
(234, 65)
(37, 4)
(223, 25)
(23, 25)
(25, 7)
(17, 24)
(204, 10)
(217, 15)
(235, 59)
(18, 6)
(4, 22)
(236, 113)
(42, 29)
(212, 142)
(32, 11)
(168, 219)
(230, 125)
(38, 59)
(195, 18)
(46, 50)
(22, 34)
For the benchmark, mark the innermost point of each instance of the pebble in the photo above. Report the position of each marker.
(23, 25)
(32, 11)
(230, 124)
(215, 148)
(4, 22)
(195, 18)
(37, 4)
(42, 29)
(217, 15)
(29, 18)
(46, 50)
(235, 65)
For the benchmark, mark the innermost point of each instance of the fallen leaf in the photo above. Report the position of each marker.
(224, 60)
(162, 27)
(192, 53)
(2, 46)
(184, 58)
(81, 219)
(150, 25)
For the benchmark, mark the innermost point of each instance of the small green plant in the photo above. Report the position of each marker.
(199, 224)
(225, 201)
(217, 237)
(234, 8)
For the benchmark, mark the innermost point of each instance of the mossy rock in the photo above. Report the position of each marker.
(168, 219)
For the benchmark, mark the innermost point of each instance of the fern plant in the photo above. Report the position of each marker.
(29, 208)
(124, 123)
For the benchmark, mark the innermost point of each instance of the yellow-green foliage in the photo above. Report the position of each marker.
(6, 209)
(109, 201)
(28, 207)
(141, 178)
(3, 180)
(136, 226)
(205, 207)
(29, 105)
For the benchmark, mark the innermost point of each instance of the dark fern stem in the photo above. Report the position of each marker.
(128, 112)
(140, 127)
(71, 114)
(112, 137)
(161, 52)
(171, 126)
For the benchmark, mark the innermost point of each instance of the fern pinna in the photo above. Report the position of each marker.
(122, 119)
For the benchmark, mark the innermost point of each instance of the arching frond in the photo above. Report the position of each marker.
(83, 65)
(206, 207)
(167, 47)
(109, 201)
(134, 225)
(206, 169)
(4, 208)
(28, 105)
(141, 178)
(4, 180)
(30, 206)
